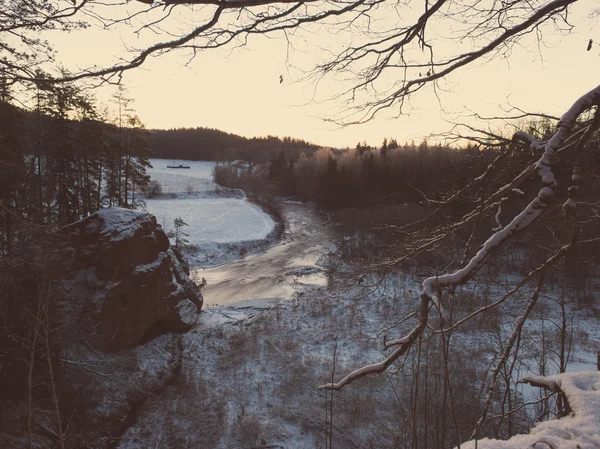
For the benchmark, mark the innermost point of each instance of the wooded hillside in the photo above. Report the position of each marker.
(206, 144)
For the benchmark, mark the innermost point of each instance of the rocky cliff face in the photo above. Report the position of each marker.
(136, 286)
(97, 294)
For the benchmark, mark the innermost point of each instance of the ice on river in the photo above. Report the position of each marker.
(220, 220)
(212, 216)
(198, 178)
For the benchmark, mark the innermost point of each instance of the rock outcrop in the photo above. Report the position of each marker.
(145, 289)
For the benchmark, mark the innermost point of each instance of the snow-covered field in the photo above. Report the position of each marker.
(249, 371)
(220, 222)
(249, 374)
(197, 178)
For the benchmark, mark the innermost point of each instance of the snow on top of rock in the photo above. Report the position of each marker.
(580, 429)
(115, 218)
(150, 267)
(116, 222)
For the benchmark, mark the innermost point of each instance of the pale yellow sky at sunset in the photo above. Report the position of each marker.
(239, 90)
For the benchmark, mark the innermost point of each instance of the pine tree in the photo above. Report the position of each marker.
(177, 233)
(12, 171)
(136, 161)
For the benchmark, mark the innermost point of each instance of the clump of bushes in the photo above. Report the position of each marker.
(154, 189)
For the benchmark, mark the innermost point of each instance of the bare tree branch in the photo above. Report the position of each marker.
(433, 285)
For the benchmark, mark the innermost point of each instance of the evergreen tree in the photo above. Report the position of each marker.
(277, 165)
(137, 153)
(384, 148)
(12, 171)
(59, 150)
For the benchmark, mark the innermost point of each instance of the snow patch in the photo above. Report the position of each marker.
(219, 220)
(581, 429)
(221, 224)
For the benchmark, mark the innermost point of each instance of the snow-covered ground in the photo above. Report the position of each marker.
(249, 371)
(221, 223)
(249, 374)
(197, 178)
(278, 272)
(220, 220)
(580, 429)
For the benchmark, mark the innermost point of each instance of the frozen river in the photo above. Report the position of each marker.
(211, 217)
(277, 272)
(214, 219)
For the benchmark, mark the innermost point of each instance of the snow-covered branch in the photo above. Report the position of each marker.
(514, 338)
(533, 210)
(380, 367)
(433, 285)
(580, 429)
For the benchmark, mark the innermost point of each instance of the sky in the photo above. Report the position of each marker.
(239, 90)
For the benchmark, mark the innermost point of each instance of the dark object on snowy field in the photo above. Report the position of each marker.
(142, 287)
(178, 166)
(153, 189)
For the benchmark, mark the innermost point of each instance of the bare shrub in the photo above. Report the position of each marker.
(194, 413)
(249, 430)
(237, 342)
(466, 302)
(357, 410)
(296, 379)
(319, 307)
(154, 189)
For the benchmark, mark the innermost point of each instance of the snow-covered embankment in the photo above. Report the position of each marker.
(221, 223)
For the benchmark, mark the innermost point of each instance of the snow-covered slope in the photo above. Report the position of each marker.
(197, 178)
(220, 222)
(578, 430)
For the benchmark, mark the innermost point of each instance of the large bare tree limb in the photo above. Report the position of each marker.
(396, 47)
(435, 284)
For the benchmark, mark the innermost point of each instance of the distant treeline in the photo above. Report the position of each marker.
(366, 176)
(336, 179)
(375, 189)
(208, 144)
(64, 160)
